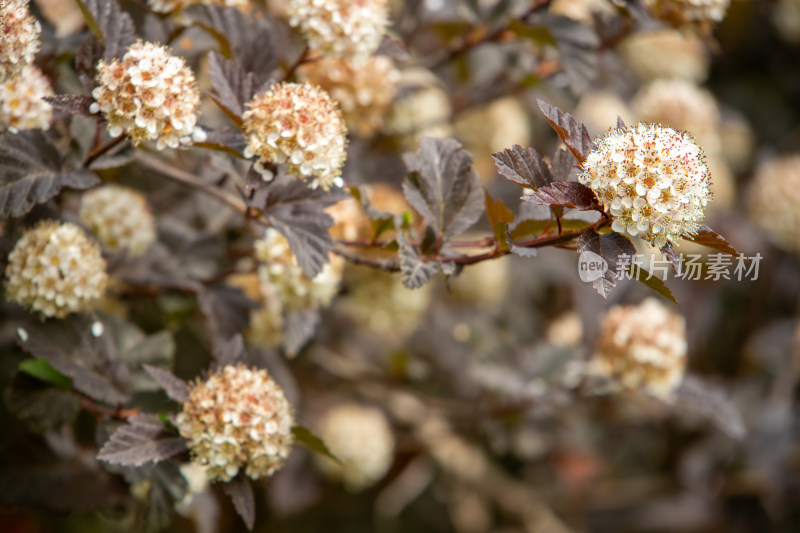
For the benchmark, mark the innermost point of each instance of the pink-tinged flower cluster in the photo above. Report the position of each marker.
(19, 38)
(21, 104)
(237, 419)
(350, 29)
(297, 125)
(652, 179)
(120, 218)
(150, 95)
(55, 269)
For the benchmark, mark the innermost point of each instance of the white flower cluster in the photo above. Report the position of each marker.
(350, 29)
(119, 217)
(361, 438)
(21, 104)
(279, 270)
(666, 53)
(689, 11)
(423, 110)
(364, 91)
(641, 348)
(168, 6)
(56, 269)
(150, 95)
(298, 125)
(774, 201)
(652, 179)
(19, 38)
(238, 418)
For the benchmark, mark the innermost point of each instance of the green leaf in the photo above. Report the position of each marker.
(304, 436)
(41, 370)
(653, 283)
(91, 22)
(500, 216)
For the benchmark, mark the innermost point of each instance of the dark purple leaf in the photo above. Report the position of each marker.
(621, 124)
(32, 172)
(71, 104)
(142, 440)
(709, 401)
(109, 23)
(233, 87)
(577, 45)
(41, 407)
(673, 257)
(523, 166)
(89, 53)
(708, 237)
(231, 353)
(651, 282)
(175, 387)
(226, 309)
(241, 494)
(570, 130)
(567, 194)
(414, 272)
(168, 487)
(563, 167)
(299, 328)
(615, 249)
(443, 186)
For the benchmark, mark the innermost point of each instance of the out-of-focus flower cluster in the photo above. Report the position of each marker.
(168, 6)
(19, 38)
(119, 217)
(361, 438)
(56, 269)
(298, 125)
(774, 201)
(150, 94)
(21, 104)
(364, 91)
(237, 419)
(654, 180)
(350, 29)
(641, 348)
(279, 270)
(422, 108)
(666, 53)
(689, 11)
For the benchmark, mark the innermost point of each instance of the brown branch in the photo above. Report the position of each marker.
(100, 151)
(101, 411)
(304, 58)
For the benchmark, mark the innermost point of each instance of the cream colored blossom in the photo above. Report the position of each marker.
(583, 10)
(19, 38)
(361, 438)
(423, 110)
(364, 91)
(774, 201)
(641, 348)
(279, 269)
(150, 95)
(599, 110)
(483, 285)
(652, 179)
(350, 29)
(21, 104)
(297, 125)
(237, 419)
(119, 217)
(666, 53)
(65, 17)
(168, 6)
(689, 11)
(55, 269)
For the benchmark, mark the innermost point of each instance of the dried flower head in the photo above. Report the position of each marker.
(56, 269)
(350, 29)
(653, 179)
(119, 217)
(689, 11)
(774, 202)
(150, 94)
(279, 269)
(21, 104)
(298, 125)
(642, 347)
(666, 53)
(361, 438)
(19, 38)
(238, 418)
(364, 91)
(168, 6)
(681, 105)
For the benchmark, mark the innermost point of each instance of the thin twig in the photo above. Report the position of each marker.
(304, 57)
(102, 150)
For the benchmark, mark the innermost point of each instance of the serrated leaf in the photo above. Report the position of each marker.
(443, 186)
(569, 129)
(414, 272)
(109, 23)
(141, 440)
(167, 488)
(32, 172)
(565, 194)
(229, 141)
(614, 248)
(241, 494)
(89, 53)
(709, 400)
(227, 311)
(299, 328)
(673, 258)
(577, 45)
(523, 166)
(651, 282)
(304, 436)
(563, 166)
(72, 104)
(175, 387)
(706, 236)
(233, 87)
(41, 370)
